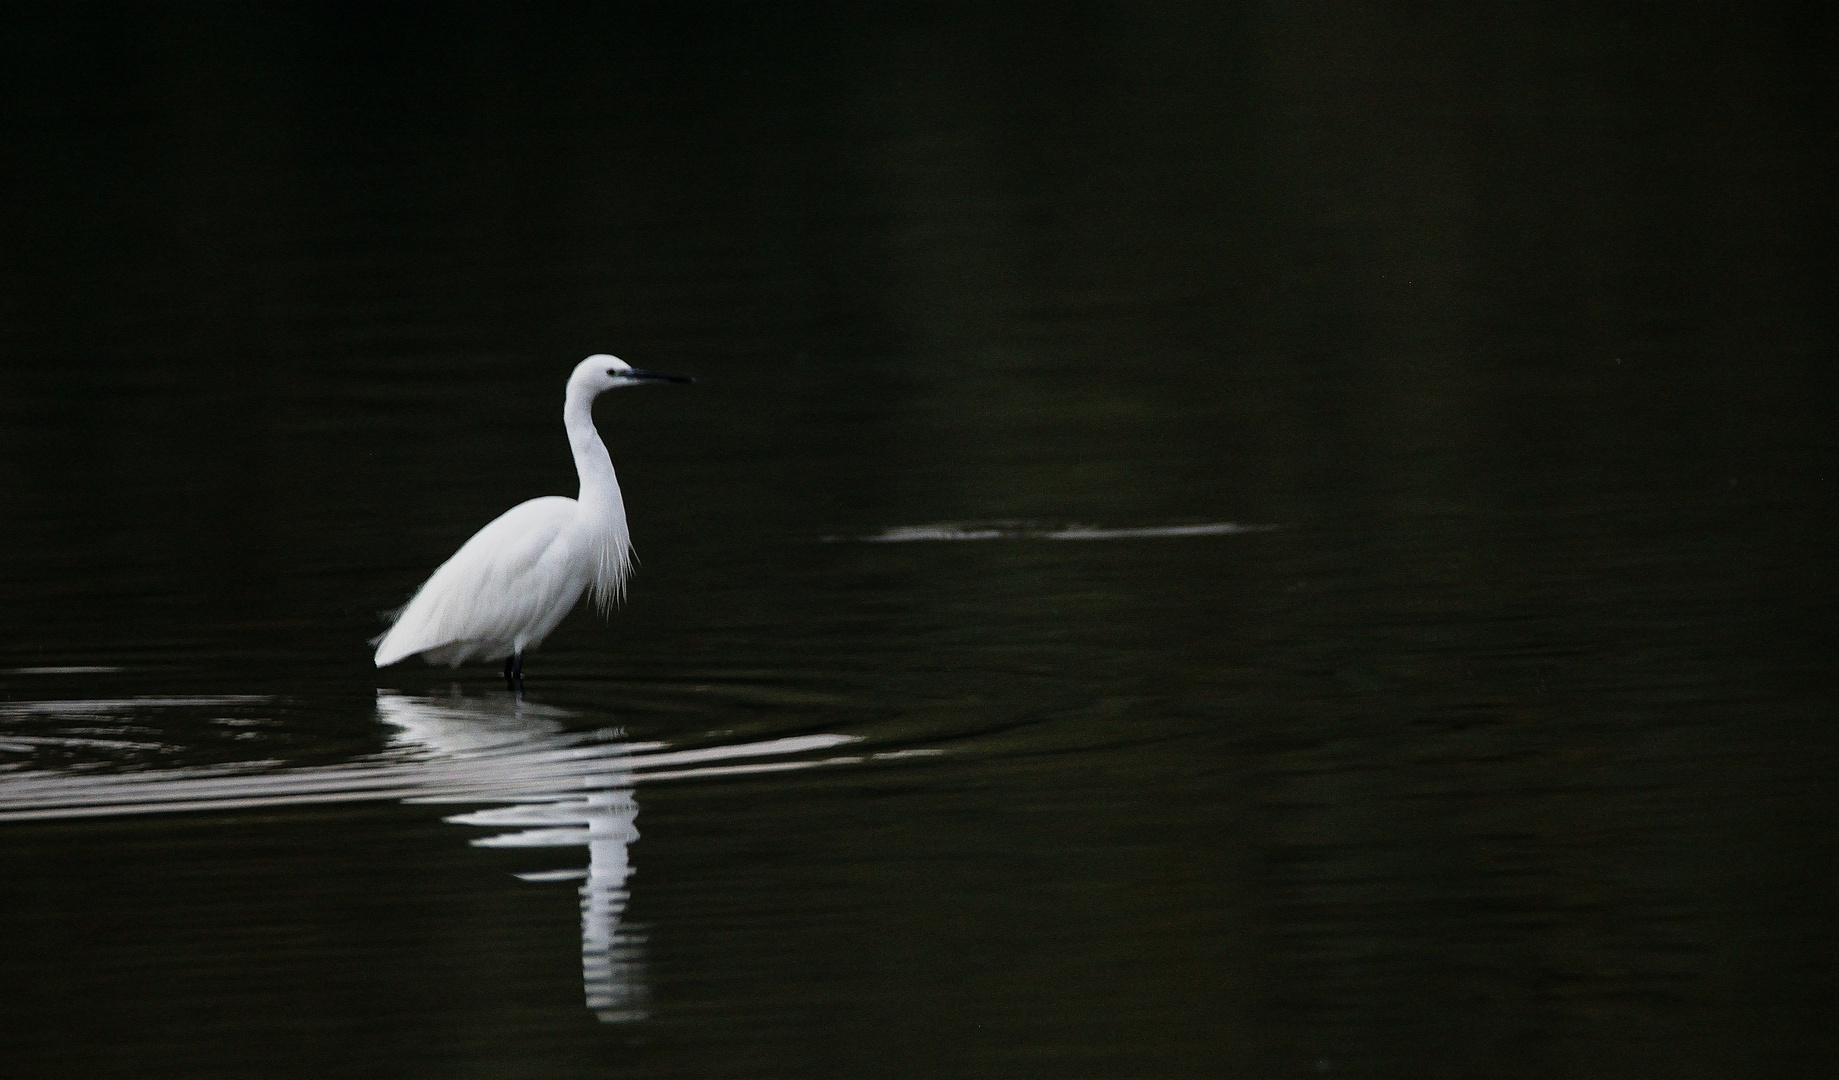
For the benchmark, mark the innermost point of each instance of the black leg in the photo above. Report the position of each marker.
(514, 672)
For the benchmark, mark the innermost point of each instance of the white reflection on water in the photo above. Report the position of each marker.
(1035, 530)
(116, 706)
(564, 789)
(67, 669)
(485, 750)
(591, 807)
(68, 736)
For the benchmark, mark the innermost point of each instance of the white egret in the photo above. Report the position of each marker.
(505, 589)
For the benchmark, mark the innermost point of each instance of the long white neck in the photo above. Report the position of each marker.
(599, 487)
(600, 514)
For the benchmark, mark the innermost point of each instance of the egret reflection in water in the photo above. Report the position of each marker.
(591, 806)
(68, 759)
(72, 758)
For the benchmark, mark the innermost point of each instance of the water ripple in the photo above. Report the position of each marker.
(563, 789)
(443, 750)
(1035, 530)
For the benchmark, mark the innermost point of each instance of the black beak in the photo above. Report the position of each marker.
(651, 376)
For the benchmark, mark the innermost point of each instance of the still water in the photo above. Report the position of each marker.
(1208, 542)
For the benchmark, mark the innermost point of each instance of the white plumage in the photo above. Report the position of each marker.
(506, 588)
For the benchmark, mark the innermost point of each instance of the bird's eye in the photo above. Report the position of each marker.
(614, 371)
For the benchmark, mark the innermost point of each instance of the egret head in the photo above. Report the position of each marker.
(602, 372)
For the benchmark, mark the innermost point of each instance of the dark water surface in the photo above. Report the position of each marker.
(948, 730)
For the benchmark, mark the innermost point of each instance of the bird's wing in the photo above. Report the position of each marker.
(491, 588)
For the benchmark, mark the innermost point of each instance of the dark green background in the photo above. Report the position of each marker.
(1508, 754)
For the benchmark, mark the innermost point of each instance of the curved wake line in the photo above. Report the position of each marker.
(114, 705)
(1029, 530)
(64, 669)
(543, 770)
